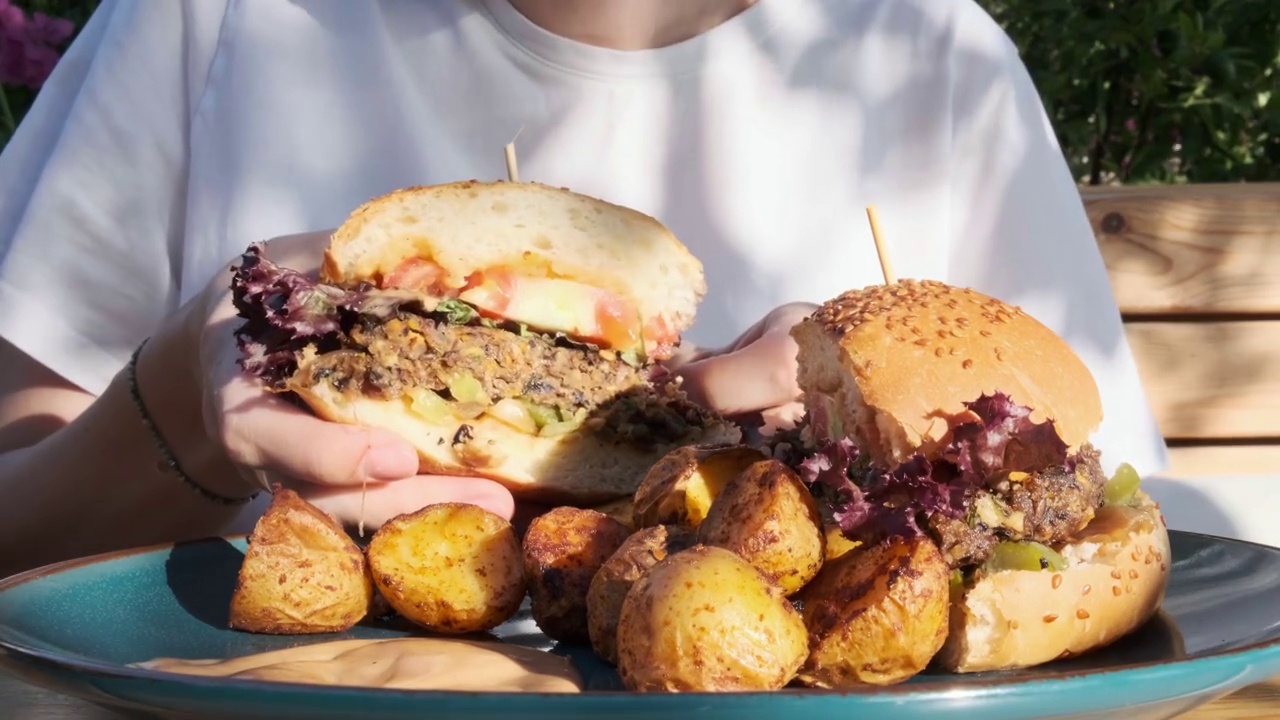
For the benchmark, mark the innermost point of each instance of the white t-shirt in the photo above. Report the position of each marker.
(173, 134)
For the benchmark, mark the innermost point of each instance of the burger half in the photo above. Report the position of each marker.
(939, 411)
(508, 330)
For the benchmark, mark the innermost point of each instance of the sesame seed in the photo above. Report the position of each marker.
(1115, 590)
(967, 364)
(1057, 580)
(1116, 574)
(1082, 614)
(1085, 590)
(1050, 617)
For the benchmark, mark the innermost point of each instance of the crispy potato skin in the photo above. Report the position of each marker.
(302, 573)
(681, 487)
(704, 619)
(563, 549)
(768, 516)
(876, 615)
(609, 587)
(450, 567)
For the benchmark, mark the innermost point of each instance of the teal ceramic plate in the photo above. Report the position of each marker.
(76, 627)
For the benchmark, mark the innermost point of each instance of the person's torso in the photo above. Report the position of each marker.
(759, 144)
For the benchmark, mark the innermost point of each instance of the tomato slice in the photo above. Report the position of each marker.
(617, 322)
(491, 291)
(579, 310)
(416, 274)
(659, 339)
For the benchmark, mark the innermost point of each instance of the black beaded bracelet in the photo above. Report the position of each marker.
(166, 454)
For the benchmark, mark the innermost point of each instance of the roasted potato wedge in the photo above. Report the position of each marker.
(680, 488)
(704, 619)
(301, 574)
(768, 516)
(637, 554)
(563, 549)
(451, 567)
(877, 615)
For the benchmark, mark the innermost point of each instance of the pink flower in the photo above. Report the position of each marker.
(49, 30)
(29, 46)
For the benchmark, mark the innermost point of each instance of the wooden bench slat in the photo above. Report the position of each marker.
(1187, 249)
(1211, 380)
(1227, 459)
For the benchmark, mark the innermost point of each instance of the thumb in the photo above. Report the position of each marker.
(758, 376)
(377, 503)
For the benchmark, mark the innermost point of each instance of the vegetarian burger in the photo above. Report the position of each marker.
(938, 411)
(508, 330)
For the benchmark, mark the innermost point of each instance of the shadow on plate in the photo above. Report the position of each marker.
(202, 576)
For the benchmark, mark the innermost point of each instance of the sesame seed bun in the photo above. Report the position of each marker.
(1115, 581)
(893, 365)
(473, 226)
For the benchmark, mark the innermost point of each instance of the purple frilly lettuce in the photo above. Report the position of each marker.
(870, 502)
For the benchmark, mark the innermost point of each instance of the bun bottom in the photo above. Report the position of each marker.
(1115, 581)
(577, 468)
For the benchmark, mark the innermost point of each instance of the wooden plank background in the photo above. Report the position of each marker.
(1196, 272)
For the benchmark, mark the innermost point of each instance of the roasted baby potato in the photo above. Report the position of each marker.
(637, 554)
(622, 510)
(837, 543)
(301, 574)
(563, 549)
(451, 567)
(704, 619)
(876, 616)
(768, 516)
(679, 488)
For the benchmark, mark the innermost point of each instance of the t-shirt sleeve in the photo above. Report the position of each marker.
(92, 213)
(1021, 232)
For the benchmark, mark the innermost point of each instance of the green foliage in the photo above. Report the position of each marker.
(1163, 91)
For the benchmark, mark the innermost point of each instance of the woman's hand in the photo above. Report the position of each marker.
(755, 375)
(356, 474)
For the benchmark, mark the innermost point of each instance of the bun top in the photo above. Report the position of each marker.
(531, 229)
(905, 358)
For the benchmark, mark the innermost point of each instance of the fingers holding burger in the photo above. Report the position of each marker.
(507, 331)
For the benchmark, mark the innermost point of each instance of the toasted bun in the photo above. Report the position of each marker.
(575, 468)
(892, 366)
(469, 226)
(1115, 582)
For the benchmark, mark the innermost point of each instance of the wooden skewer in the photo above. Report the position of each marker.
(513, 170)
(513, 167)
(886, 267)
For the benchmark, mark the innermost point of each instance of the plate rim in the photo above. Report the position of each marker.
(13, 652)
